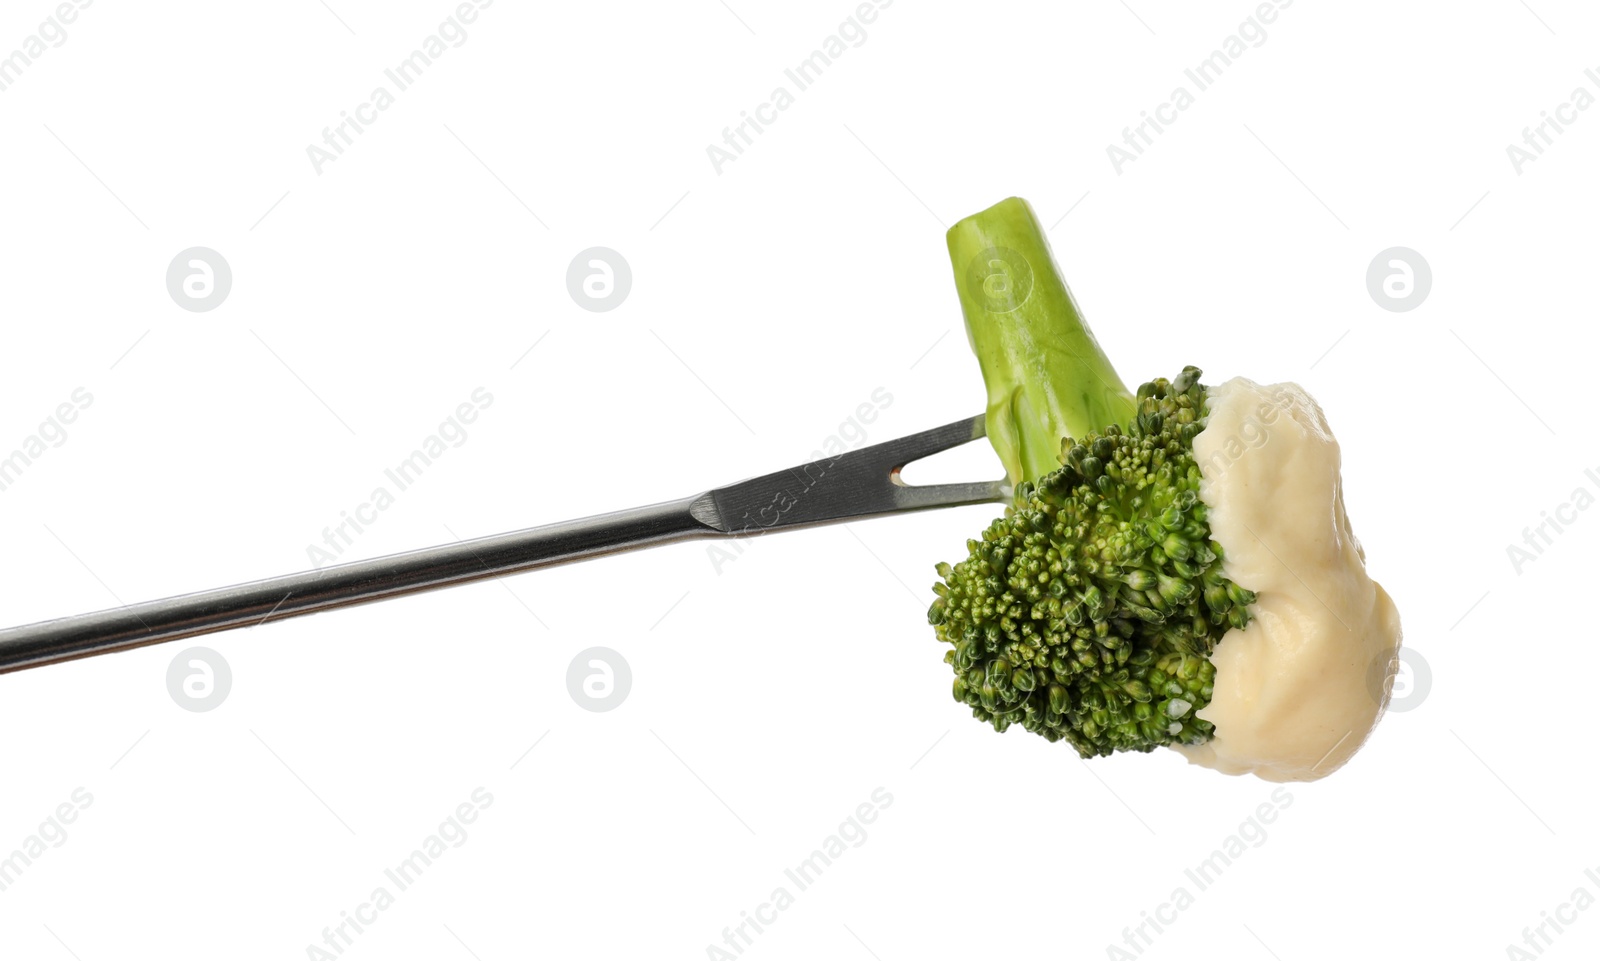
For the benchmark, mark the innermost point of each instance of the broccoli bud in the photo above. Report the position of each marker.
(1087, 612)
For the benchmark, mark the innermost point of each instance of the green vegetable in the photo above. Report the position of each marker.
(1087, 612)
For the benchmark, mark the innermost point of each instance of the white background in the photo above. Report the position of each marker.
(771, 698)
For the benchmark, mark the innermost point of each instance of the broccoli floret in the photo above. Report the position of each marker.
(1088, 611)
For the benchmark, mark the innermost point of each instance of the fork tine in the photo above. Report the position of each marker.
(901, 451)
(858, 483)
(915, 497)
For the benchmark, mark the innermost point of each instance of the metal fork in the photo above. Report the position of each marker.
(856, 484)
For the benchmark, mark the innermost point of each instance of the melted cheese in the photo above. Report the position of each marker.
(1300, 688)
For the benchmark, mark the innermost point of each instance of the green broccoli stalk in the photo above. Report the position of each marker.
(1046, 374)
(1088, 611)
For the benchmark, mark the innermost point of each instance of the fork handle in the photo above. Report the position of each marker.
(344, 585)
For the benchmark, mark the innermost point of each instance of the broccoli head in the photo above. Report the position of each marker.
(1087, 613)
